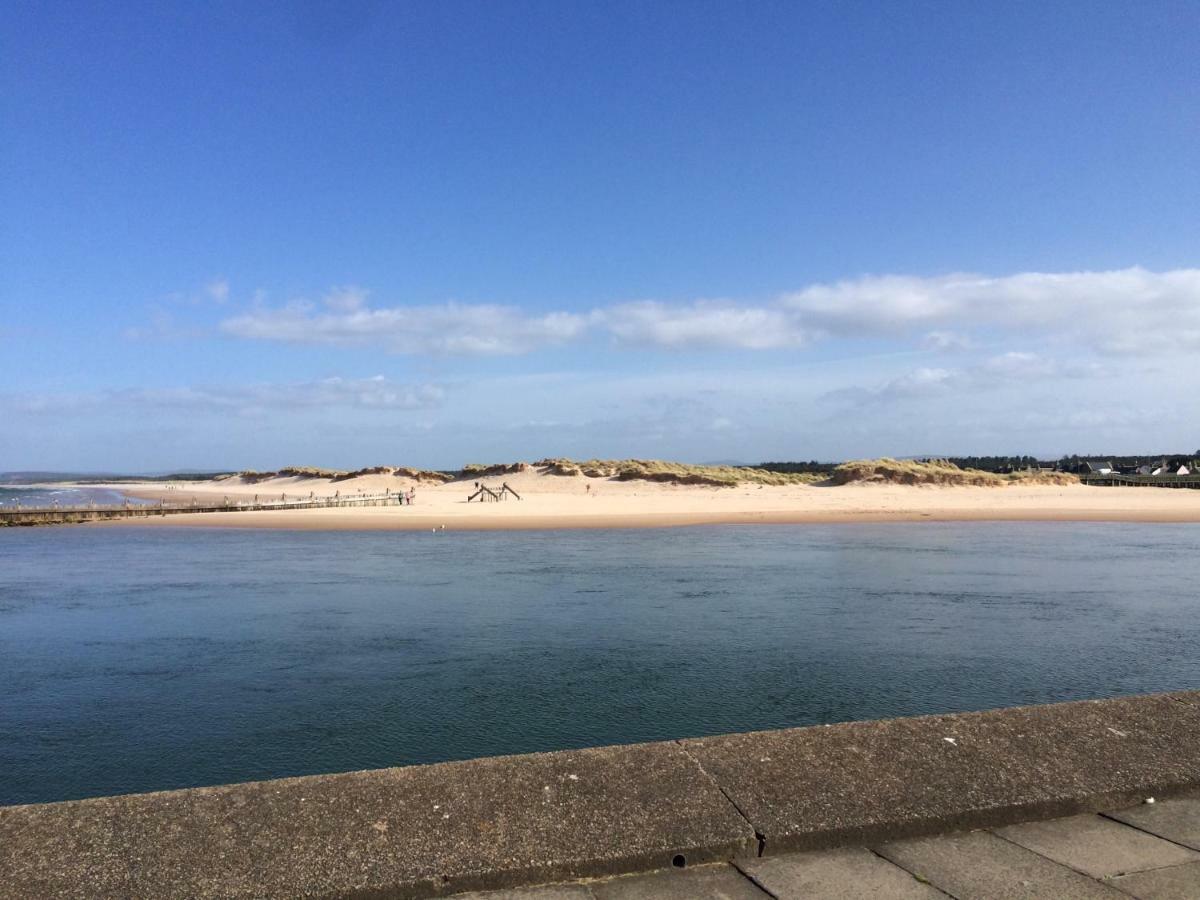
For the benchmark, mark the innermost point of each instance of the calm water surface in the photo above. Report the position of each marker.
(136, 660)
(11, 496)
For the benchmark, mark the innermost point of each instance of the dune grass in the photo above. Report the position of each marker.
(937, 472)
(479, 470)
(250, 476)
(885, 470)
(670, 472)
(421, 474)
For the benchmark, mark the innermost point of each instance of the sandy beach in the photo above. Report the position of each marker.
(552, 501)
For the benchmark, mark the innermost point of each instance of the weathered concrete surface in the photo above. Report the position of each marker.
(1098, 846)
(704, 883)
(867, 782)
(496, 823)
(1175, 883)
(1176, 820)
(411, 832)
(979, 864)
(850, 873)
(546, 892)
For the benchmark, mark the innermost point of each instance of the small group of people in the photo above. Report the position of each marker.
(408, 497)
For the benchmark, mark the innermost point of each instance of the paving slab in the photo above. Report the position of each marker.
(700, 883)
(1176, 820)
(852, 873)
(418, 831)
(1098, 846)
(866, 782)
(1174, 883)
(980, 865)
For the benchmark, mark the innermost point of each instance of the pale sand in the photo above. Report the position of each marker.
(550, 501)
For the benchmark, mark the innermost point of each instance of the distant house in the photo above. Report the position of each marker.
(1171, 467)
(1095, 467)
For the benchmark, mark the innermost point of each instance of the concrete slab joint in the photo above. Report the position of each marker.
(758, 837)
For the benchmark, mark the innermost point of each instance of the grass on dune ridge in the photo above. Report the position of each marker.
(885, 470)
(938, 472)
(672, 472)
(879, 471)
(250, 476)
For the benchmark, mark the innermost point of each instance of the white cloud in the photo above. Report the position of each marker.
(922, 381)
(449, 328)
(1021, 365)
(918, 383)
(1019, 370)
(1126, 311)
(1018, 364)
(217, 290)
(1122, 310)
(946, 341)
(376, 393)
(348, 299)
(701, 324)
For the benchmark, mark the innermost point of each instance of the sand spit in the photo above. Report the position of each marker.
(558, 494)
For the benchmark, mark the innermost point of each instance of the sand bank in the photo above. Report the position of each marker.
(550, 501)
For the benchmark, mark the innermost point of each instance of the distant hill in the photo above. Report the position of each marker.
(37, 477)
(93, 477)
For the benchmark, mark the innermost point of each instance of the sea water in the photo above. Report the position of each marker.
(136, 659)
(12, 496)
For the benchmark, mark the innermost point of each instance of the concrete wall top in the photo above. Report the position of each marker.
(433, 830)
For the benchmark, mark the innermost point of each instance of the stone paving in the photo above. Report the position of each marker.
(1151, 852)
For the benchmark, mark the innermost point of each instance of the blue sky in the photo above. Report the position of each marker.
(252, 235)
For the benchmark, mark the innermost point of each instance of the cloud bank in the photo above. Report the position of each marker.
(1124, 311)
(344, 319)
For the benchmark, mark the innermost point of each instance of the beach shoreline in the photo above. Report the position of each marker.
(306, 520)
(549, 502)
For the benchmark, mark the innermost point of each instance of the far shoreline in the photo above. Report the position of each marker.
(362, 520)
(294, 522)
(539, 499)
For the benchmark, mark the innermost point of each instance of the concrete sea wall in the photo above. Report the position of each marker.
(426, 831)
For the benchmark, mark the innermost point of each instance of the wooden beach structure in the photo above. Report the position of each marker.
(486, 494)
(67, 515)
(1112, 479)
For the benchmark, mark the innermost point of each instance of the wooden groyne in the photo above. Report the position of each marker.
(486, 494)
(68, 515)
(1161, 481)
